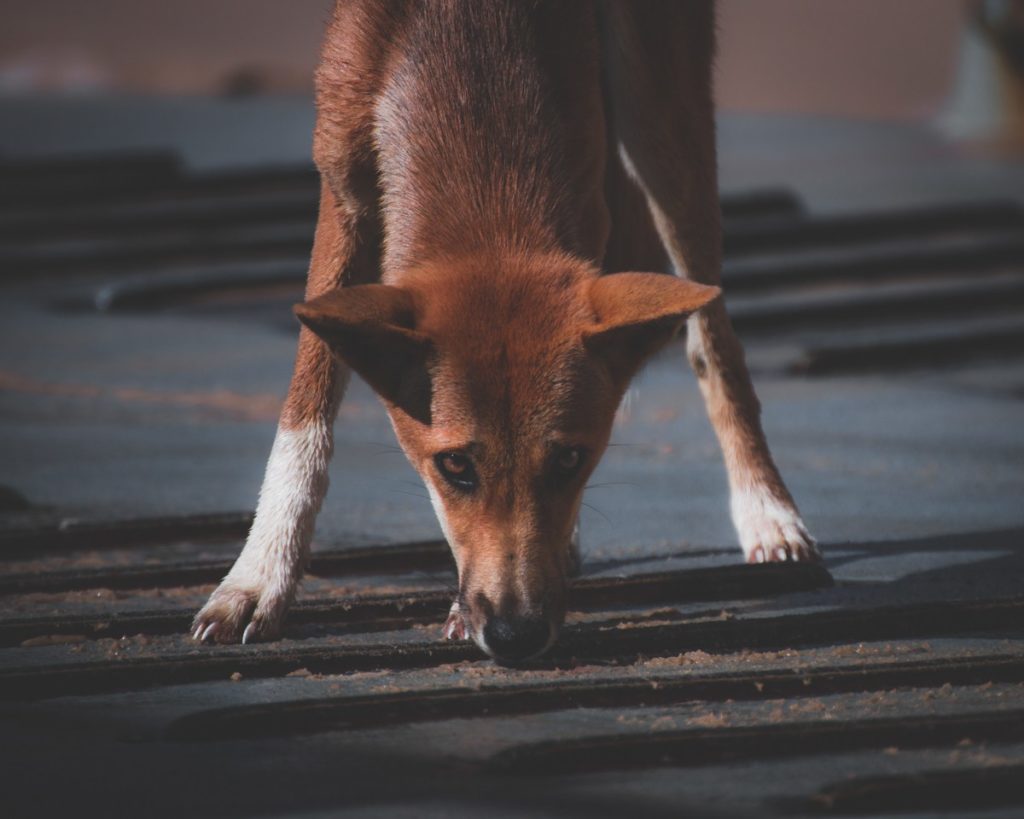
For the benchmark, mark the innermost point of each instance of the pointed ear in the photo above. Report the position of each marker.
(637, 314)
(371, 328)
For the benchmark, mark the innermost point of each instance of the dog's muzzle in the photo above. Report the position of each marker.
(516, 638)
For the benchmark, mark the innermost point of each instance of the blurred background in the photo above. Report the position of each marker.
(228, 84)
(871, 59)
(875, 59)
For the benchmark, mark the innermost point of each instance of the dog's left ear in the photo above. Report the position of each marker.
(637, 314)
(371, 328)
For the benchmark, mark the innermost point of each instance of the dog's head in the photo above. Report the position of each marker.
(502, 382)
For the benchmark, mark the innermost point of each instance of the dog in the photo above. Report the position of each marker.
(499, 179)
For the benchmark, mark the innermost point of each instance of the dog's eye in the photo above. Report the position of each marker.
(569, 460)
(457, 469)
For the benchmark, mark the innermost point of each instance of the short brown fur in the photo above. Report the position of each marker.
(485, 164)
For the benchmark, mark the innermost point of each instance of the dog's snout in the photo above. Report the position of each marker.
(516, 638)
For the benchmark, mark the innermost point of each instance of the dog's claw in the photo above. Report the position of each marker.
(800, 552)
(771, 530)
(239, 615)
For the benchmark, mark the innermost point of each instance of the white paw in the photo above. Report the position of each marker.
(454, 626)
(234, 615)
(771, 530)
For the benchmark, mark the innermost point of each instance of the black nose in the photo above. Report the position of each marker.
(516, 638)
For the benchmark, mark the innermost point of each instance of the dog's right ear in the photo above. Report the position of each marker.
(638, 313)
(371, 327)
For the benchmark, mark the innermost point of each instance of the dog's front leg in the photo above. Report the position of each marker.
(251, 601)
(660, 83)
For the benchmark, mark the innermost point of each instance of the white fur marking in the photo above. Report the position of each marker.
(442, 519)
(293, 489)
(763, 520)
(625, 409)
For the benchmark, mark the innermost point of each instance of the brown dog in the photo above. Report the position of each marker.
(484, 165)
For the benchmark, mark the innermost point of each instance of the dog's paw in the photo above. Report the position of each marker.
(805, 552)
(234, 614)
(454, 626)
(771, 530)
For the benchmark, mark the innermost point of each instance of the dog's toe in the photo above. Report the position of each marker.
(795, 551)
(236, 615)
(772, 531)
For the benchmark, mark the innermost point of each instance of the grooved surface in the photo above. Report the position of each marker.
(147, 338)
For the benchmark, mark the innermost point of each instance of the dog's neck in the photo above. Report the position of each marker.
(468, 166)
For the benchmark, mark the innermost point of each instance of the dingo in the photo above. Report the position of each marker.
(489, 171)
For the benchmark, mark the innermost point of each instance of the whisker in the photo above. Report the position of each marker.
(403, 481)
(384, 449)
(595, 509)
(411, 494)
(608, 483)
